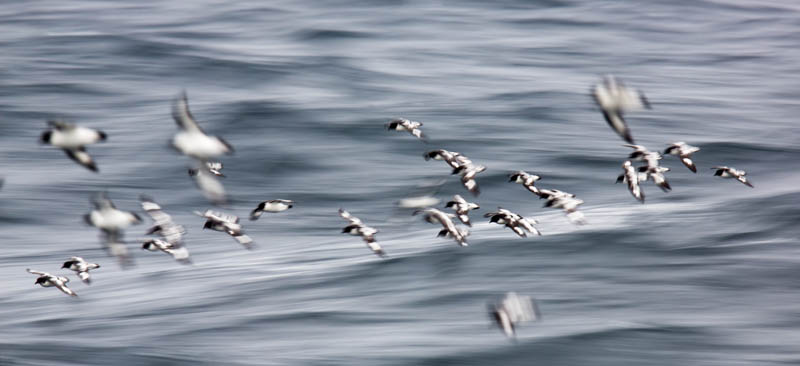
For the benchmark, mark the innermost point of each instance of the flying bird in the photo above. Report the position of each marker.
(518, 224)
(412, 127)
(213, 167)
(162, 222)
(209, 185)
(176, 250)
(462, 208)
(728, 172)
(47, 280)
(356, 227)
(511, 311)
(614, 99)
(468, 174)
(632, 177)
(191, 140)
(526, 179)
(73, 140)
(684, 151)
(106, 217)
(81, 267)
(449, 228)
(225, 223)
(273, 206)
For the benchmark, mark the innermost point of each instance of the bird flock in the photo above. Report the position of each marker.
(612, 97)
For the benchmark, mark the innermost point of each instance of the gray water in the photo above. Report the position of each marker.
(703, 275)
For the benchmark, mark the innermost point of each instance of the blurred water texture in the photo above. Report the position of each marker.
(704, 275)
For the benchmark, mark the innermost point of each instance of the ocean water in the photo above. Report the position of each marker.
(703, 275)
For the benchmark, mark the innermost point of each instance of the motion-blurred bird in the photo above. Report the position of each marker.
(462, 208)
(191, 140)
(614, 99)
(412, 127)
(526, 179)
(225, 223)
(358, 228)
(178, 252)
(108, 218)
(684, 151)
(73, 140)
(209, 185)
(213, 167)
(728, 172)
(81, 267)
(273, 206)
(47, 280)
(512, 310)
(449, 228)
(162, 222)
(513, 221)
(632, 178)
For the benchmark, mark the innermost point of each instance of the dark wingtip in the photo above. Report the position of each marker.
(45, 137)
(92, 166)
(645, 101)
(103, 135)
(628, 137)
(229, 146)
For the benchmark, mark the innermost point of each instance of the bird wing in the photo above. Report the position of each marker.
(183, 117)
(347, 216)
(60, 125)
(80, 156)
(214, 165)
(39, 273)
(61, 285)
(689, 164)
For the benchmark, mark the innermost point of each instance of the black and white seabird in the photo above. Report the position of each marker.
(176, 250)
(551, 194)
(513, 221)
(526, 179)
(555, 198)
(213, 167)
(462, 208)
(162, 222)
(684, 151)
(73, 140)
(191, 140)
(274, 206)
(632, 177)
(512, 310)
(641, 153)
(652, 166)
(728, 172)
(468, 174)
(449, 157)
(358, 228)
(108, 218)
(47, 280)
(209, 185)
(449, 228)
(461, 165)
(225, 223)
(570, 207)
(402, 124)
(657, 175)
(81, 267)
(614, 99)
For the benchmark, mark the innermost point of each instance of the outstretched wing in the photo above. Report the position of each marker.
(347, 216)
(183, 117)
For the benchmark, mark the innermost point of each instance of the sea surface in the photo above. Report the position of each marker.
(704, 275)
